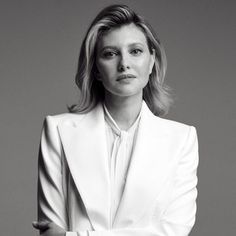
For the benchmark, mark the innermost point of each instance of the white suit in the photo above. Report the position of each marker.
(160, 192)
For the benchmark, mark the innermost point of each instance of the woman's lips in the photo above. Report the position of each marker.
(125, 76)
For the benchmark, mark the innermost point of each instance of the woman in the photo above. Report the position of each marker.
(112, 166)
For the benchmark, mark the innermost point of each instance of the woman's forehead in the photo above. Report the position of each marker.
(124, 35)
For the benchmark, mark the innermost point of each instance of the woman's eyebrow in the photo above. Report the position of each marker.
(136, 44)
(108, 47)
(117, 48)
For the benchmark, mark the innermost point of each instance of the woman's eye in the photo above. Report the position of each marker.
(136, 51)
(109, 54)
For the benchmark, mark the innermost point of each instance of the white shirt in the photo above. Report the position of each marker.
(120, 145)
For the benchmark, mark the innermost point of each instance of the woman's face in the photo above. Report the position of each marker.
(124, 61)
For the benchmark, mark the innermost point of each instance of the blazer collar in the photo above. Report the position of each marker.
(84, 144)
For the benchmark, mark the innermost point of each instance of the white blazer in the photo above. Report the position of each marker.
(74, 189)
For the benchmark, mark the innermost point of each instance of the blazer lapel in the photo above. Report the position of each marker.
(147, 172)
(84, 144)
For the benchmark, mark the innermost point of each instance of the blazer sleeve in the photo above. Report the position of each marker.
(51, 197)
(181, 211)
(179, 217)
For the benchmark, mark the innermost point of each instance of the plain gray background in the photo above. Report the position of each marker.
(39, 46)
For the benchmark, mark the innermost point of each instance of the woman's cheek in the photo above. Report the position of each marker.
(143, 66)
(108, 69)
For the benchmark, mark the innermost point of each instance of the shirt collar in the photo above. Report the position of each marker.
(114, 126)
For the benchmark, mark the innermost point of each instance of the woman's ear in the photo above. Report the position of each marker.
(152, 61)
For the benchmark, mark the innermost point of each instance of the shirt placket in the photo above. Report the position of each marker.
(112, 174)
(119, 169)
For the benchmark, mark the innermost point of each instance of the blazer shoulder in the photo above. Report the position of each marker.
(174, 124)
(64, 118)
(175, 128)
(180, 135)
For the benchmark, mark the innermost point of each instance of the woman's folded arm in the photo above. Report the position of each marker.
(176, 220)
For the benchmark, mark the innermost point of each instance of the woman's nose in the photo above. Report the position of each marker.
(124, 63)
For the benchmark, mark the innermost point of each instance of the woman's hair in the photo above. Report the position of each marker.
(156, 93)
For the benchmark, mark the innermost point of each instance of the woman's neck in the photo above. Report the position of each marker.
(124, 110)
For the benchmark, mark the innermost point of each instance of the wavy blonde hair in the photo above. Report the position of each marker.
(156, 93)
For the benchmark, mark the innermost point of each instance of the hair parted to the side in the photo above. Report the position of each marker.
(156, 93)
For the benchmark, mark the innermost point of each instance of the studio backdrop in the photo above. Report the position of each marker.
(39, 46)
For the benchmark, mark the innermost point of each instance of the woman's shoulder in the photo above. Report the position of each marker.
(64, 118)
(174, 127)
(173, 123)
(177, 133)
(165, 125)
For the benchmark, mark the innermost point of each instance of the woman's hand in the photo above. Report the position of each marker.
(48, 228)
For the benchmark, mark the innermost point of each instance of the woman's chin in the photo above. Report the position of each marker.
(125, 93)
